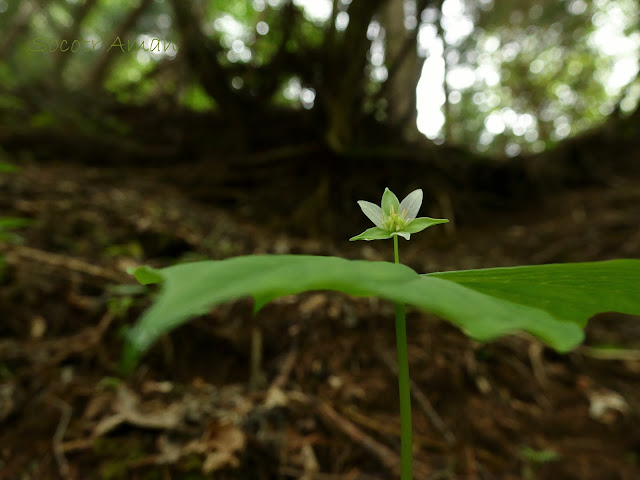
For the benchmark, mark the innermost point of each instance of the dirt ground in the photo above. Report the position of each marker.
(319, 399)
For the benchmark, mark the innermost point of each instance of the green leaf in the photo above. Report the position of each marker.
(7, 167)
(190, 288)
(7, 223)
(147, 275)
(569, 291)
(373, 233)
(549, 301)
(419, 224)
(538, 456)
(389, 199)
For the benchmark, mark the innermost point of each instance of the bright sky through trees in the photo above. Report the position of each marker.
(611, 20)
(609, 39)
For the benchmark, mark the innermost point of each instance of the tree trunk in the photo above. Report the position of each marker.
(344, 76)
(404, 67)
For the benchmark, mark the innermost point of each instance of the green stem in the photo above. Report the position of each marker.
(406, 435)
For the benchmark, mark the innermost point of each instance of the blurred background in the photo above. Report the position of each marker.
(319, 99)
(156, 131)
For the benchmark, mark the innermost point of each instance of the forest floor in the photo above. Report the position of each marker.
(321, 401)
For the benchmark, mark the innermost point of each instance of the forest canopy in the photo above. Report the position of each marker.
(495, 77)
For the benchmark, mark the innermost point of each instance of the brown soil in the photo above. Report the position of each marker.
(321, 403)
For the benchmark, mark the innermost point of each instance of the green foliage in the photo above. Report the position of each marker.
(538, 456)
(557, 73)
(7, 167)
(8, 224)
(11, 223)
(147, 275)
(197, 99)
(539, 71)
(485, 304)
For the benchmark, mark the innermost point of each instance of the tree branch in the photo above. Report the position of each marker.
(19, 25)
(79, 14)
(201, 55)
(97, 74)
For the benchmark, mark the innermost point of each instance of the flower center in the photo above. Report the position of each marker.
(395, 221)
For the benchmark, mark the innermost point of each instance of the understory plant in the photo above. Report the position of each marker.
(551, 302)
(8, 225)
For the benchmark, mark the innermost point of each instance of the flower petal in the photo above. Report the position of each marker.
(372, 211)
(411, 204)
(374, 233)
(419, 224)
(402, 233)
(389, 199)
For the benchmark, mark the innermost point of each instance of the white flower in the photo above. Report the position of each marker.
(394, 217)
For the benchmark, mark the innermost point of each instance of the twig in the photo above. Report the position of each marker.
(77, 445)
(423, 402)
(389, 429)
(63, 262)
(470, 458)
(274, 396)
(55, 351)
(285, 372)
(386, 456)
(58, 436)
(297, 473)
(537, 363)
(610, 353)
(256, 375)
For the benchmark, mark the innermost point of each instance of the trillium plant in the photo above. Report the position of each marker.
(395, 219)
(550, 302)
